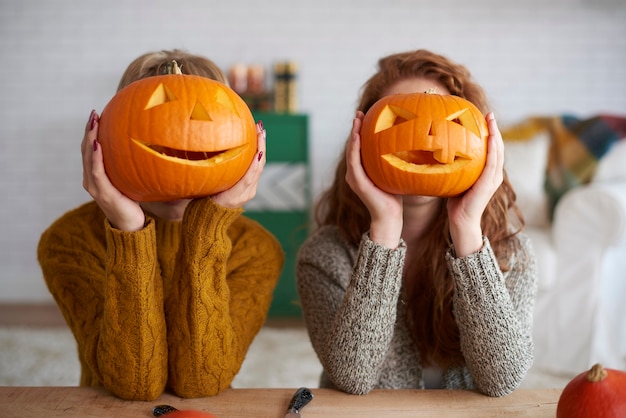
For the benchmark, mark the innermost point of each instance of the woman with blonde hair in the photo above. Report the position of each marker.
(419, 291)
(161, 296)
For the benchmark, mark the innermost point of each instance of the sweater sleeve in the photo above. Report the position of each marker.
(350, 308)
(108, 287)
(218, 297)
(132, 348)
(494, 313)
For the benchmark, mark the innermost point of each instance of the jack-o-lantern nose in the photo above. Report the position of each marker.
(447, 148)
(200, 113)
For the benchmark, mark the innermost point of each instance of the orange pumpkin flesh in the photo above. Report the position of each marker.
(598, 392)
(424, 144)
(176, 136)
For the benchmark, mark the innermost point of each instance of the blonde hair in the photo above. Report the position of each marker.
(154, 63)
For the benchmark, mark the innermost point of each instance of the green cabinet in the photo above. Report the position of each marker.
(282, 203)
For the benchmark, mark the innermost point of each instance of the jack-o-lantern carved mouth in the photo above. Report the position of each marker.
(192, 157)
(422, 161)
(419, 161)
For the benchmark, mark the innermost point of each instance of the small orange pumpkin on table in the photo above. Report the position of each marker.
(596, 393)
(176, 136)
(424, 144)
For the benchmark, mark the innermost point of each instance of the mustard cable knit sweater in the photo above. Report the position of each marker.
(175, 305)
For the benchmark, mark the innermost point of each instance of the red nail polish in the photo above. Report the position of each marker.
(260, 155)
(261, 124)
(95, 146)
(92, 119)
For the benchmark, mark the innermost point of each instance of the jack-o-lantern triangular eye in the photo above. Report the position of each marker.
(392, 116)
(465, 118)
(222, 97)
(200, 113)
(160, 96)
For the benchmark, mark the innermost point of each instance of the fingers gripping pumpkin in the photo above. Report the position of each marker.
(176, 136)
(424, 144)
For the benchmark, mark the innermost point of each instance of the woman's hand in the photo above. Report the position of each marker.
(245, 189)
(465, 211)
(122, 212)
(385, 209)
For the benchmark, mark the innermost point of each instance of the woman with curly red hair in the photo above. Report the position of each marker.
(419, 291)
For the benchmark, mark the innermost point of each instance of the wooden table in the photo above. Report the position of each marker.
(259, 403)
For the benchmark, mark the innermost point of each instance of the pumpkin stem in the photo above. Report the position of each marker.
(172, 68)
(596, 373)
(432, 90)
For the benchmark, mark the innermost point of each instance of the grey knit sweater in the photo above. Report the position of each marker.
(356, 319)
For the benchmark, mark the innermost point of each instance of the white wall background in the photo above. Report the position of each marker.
(62, 58)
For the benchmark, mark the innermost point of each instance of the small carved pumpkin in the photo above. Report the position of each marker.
(598, 392)
(424, 144)
(176, 136)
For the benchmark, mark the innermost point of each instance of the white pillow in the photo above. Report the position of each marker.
(525, 163)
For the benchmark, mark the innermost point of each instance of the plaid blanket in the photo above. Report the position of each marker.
(576, 147)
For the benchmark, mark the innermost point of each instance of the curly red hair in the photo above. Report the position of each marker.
(427, 283)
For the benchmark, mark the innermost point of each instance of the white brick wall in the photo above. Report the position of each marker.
(62, 58)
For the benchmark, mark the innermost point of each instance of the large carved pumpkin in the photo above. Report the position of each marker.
(424, 144)
(176, 136)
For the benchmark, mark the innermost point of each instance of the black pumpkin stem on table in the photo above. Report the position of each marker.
(161, 410)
